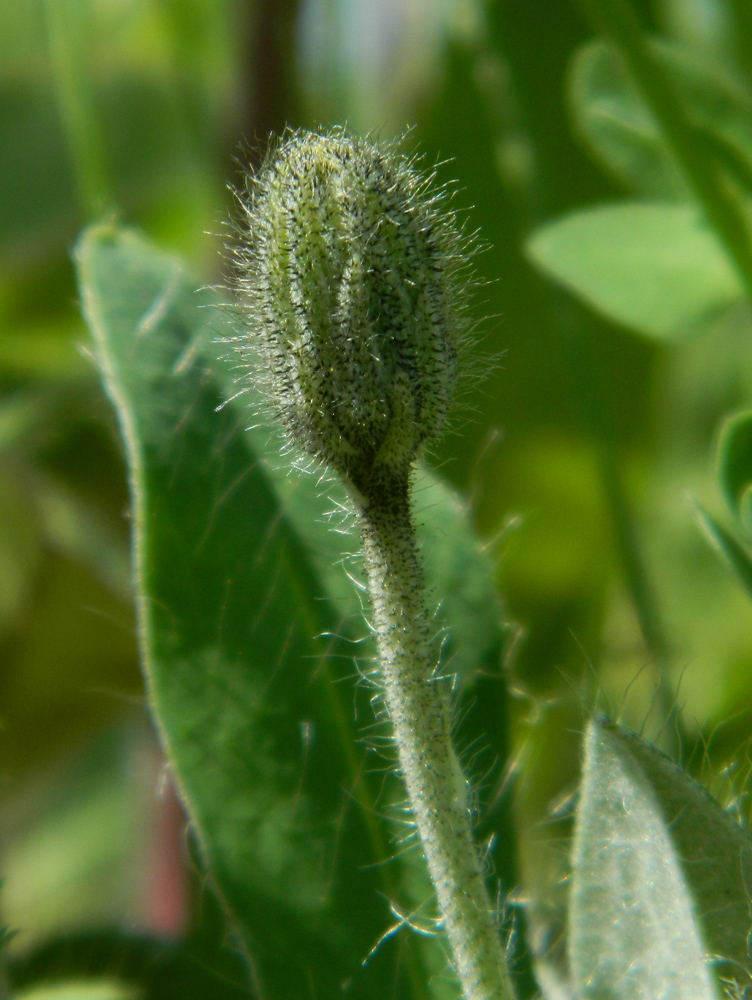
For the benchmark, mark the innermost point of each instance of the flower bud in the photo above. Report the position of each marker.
(349, 268)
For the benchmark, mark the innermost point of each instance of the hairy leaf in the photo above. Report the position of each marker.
(659, 890)
(234, 564)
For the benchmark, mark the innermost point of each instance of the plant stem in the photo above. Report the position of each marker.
(616, 20)
(742, 22)
(638, 585)
(597, 418)
(418, 706)
(65, 23)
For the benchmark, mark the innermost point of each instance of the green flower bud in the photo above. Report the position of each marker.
(350, 268)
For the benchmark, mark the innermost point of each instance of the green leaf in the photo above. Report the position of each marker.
(6, 935)
(459, 573)
(82, 989)
(242, 693)
(655, 267)
(41, 215)
(20, 552)
(238, 572)
(735, 466)
(71, 860)
(78, 531)
(611, 115)
(197, 967)
(729, 548)
(460, 578)
(659, 891)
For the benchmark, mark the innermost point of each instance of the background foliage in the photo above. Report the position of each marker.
(580, 453)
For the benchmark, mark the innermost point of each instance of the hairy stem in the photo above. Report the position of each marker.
(418, 706)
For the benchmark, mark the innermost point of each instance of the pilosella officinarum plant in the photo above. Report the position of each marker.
(350, 274)
(606, 146)
(351, 281)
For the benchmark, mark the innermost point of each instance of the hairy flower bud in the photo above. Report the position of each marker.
(349, 266)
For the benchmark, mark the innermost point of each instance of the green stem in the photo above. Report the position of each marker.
(742, 16)
(616, 20)
(418, 706)
(65, 23)
(598, 421)
(643, 598)
(363, 795)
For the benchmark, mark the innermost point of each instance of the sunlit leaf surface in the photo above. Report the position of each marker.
(655, 267)
(660, 874)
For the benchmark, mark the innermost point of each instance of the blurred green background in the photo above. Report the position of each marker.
(581, 434)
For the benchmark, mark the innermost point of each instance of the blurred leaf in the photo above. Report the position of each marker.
(20, 551)
(706, 25)
(198, 967)
(68, 46)
(244, 695)
(91, 113)
(70, 670)
(38, 212)
(19, 415)
(75, 840)
(612, 116)
(81, 989)
(659, 891)
(79, 532)
(734, 554)
(6, 935)
(619, 127)
(655, 267)
(735, 466)
(45, 353)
